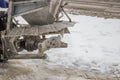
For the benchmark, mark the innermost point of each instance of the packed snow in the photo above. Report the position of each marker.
(93, 44)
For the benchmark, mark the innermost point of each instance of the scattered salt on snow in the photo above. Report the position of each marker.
(94, 43)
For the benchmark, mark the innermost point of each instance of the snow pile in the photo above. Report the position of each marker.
(94, 44)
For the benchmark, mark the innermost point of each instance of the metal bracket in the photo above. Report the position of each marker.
(53, 42)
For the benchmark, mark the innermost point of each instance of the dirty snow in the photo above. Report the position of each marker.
(93, 44)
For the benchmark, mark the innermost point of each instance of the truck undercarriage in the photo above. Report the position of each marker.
(43, 18)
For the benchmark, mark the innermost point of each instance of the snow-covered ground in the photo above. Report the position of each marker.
(94, 44)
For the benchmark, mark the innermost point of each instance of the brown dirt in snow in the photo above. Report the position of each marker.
(100, 8)
(39, 70)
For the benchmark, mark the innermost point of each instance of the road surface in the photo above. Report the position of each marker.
(100, 8)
